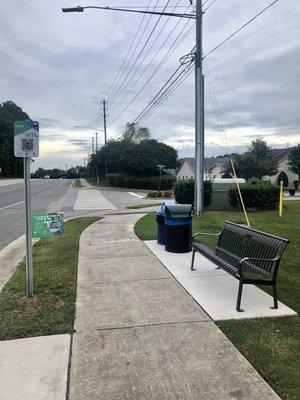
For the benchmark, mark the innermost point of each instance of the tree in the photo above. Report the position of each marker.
(10, 112)
(256, 162)
(140, 159)
(134, 133)
(294, 160)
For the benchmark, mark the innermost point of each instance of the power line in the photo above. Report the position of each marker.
(111, 89)
(223, 42)
(166, 95)
(152, 60)
(174, 78)
(213, 1)
(166, 57)
(117, 86)
(163, 95)
(239, 29)
(141, 51)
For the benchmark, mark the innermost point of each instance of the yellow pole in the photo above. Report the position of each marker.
(240, 194)
(281, 199)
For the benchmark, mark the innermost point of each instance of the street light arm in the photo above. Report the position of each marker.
(81, 9)
(73, 9)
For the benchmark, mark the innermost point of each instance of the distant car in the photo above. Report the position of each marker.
(46, 177)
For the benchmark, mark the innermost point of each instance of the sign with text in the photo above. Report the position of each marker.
(47, 225)
(26, 138)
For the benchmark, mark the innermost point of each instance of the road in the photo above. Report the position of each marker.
(47, 195)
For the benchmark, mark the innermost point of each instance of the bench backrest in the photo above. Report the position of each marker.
(242, 241)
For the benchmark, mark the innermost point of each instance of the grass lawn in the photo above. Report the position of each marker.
(102, 182)
(52, 308)
(272, 345)
(77, 183)
(144, 206)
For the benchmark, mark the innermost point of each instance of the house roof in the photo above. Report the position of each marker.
(277, 154)
(208, 162)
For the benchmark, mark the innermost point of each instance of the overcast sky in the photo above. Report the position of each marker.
(58, 67)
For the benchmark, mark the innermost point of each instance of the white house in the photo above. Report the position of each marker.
(214, 168)
(284, 174)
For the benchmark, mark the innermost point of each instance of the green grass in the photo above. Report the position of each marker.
(144, 206)
(52, 308)
(272, 345)
(77, 183)
(102, 182)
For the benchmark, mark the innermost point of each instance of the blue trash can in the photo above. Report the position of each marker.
(178, 228)
(160, 219)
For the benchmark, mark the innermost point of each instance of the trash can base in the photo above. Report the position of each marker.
(178, 251)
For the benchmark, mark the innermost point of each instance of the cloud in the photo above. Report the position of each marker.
(58, 67)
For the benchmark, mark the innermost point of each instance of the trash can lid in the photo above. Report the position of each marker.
(178, 210)
(162, 211)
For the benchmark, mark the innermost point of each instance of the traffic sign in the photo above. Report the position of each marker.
(47, 225)
(26, 138)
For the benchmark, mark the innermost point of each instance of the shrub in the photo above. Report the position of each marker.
(292, 192)
(138, 182)
(157, 193)
(184, 192)
(260, 196)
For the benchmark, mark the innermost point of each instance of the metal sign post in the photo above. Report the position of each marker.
(28, 234)
(26, 145)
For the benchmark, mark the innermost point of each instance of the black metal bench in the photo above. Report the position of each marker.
(251, 256)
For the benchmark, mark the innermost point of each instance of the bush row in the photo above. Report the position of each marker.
(157, 193)
(137, 182)
(184, 192)
(260, 196)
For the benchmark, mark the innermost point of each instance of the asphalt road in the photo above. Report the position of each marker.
(46, 195)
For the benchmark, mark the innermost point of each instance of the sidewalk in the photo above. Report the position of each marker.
(140, 335)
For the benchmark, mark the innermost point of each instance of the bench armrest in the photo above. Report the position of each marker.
(243, 260)
(205, 233)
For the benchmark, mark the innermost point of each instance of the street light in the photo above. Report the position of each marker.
(199, 89)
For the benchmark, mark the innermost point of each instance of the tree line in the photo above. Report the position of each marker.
(9, 164)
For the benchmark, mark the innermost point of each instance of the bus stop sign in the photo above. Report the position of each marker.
(26, 138)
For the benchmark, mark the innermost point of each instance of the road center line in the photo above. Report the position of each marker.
(11, 205)
(136, 195)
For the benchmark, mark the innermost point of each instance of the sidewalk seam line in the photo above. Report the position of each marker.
(142, 326)
(121, 281)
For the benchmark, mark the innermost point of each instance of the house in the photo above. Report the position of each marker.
(289, 178)
(214, 168)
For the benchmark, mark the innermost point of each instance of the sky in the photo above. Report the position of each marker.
(59, 67)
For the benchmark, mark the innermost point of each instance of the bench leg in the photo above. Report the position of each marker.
(239, 298)
(193, 260)
(275, 297)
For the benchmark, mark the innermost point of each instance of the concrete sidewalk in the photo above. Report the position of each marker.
(140, 335)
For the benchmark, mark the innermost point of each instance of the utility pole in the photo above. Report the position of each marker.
(93, 146)
(199, 115)
(199, 90)
(105, 135)
(96, 133)
(104, 122)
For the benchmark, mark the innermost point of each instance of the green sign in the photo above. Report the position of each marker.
(47, 225)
